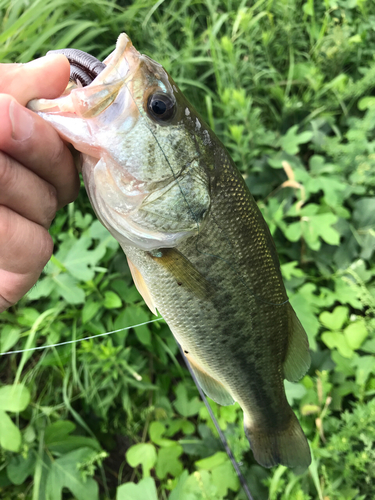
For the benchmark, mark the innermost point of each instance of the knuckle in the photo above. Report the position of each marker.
(8, 75)
(5, 303)
(57, 153)
(6, 226)
(7, 176)
(6, 129)
(51, 206)
(74, 188)
(45, 248)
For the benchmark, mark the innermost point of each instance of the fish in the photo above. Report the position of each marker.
(198, 247)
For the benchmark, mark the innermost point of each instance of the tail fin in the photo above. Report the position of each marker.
(288, 446)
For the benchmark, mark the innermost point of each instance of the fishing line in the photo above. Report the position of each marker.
(217, 426)
(79, 340)
(203, 396)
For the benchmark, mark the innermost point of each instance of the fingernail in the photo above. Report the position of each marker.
(22, 122)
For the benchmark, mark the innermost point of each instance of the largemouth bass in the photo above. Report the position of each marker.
(197, 245)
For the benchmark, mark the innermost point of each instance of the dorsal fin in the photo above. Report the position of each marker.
(141, 286)
(297, 359)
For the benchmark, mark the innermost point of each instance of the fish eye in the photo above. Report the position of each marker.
(160, 107)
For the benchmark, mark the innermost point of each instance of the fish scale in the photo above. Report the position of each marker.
(200, 336)
(197, 245)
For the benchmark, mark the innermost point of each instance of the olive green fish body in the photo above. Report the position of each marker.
(198, 247)
(238, 327)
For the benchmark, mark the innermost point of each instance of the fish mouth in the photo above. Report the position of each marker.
(104, 79)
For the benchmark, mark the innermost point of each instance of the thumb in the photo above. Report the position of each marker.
(46, 77)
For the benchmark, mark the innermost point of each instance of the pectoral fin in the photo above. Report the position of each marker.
(184, 272)
(297, 359)
(212, 387)
(142, 287)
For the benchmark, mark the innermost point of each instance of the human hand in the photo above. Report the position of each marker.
(37, 173)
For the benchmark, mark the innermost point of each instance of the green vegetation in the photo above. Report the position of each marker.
(288, 85)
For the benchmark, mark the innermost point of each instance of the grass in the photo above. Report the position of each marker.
(287, 85)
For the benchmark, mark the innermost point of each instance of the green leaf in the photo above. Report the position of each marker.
(183, 405)
(79, 260)
(294, 391)
(142, 454)
(90, 309)
(64, 473)
(336, 319)
(198, 486)
(8, 337)
(69, 443)
(345, 293)
(10, 435)
(355, 334)
(156, 430)
(67, 287)
(58, 430)
(81, 221)
(337, 340)
(209, 463)
(134, 315)
(290, 269)
(98, 232)
(224, 478)
(291, 140)
(168, 462)
(188, 427)
(128, 294)
(144, 490)
(365, 367)
(319, 225)
(28, 316)
(43, 288)
(111, 300)
(303, 303)
(366, 102)
(14, 397)
(293, 231)
(178, 493)
(58, 440)
(21, 467)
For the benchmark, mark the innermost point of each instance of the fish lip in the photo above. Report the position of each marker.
(118, 68)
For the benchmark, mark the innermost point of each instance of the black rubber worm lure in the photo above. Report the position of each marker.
(83, 67)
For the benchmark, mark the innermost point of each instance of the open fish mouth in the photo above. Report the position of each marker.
(136, 167)
(107, 79)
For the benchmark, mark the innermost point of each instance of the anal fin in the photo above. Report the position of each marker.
(142, 287)
(212, 387)
(297, 359)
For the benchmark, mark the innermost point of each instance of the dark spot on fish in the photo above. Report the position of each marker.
(186, 352)
(179, 283)
(271, 416)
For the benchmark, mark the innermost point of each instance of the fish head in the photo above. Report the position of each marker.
(144, 150)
